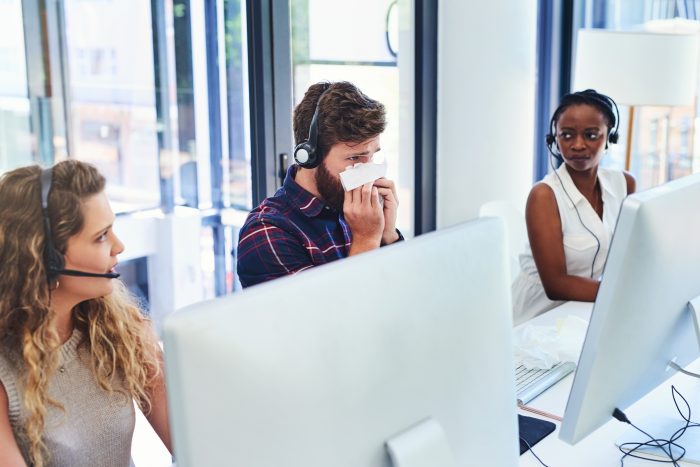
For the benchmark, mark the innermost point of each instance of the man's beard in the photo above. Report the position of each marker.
(329, 187)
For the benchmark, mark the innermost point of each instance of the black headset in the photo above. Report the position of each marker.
(305, 152)
(606, 102)
(53, 259)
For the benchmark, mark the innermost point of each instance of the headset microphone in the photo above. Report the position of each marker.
(76, 273)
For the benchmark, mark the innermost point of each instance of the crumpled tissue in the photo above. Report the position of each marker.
(542, 347)
(359, 174)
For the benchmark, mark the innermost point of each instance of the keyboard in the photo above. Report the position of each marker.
(530, 383)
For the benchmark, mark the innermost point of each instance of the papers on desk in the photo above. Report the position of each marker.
(544, 346)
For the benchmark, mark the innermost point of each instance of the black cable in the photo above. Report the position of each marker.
(653, 442)
(578, 214)
(529, 448)
(666, 445)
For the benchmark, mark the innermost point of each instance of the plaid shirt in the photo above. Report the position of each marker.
(289, 232)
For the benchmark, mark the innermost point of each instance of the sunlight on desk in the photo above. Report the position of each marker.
(147, 450)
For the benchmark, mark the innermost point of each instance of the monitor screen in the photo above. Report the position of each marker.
(641, 319)
(324, 367)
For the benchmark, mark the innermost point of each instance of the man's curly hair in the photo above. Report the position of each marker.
(345, 115)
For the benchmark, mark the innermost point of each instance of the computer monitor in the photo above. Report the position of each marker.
(641, 318)
(324, 367)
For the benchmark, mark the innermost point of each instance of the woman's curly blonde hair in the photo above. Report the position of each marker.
(117, 336)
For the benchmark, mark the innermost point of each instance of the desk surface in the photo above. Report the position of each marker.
(599, 448)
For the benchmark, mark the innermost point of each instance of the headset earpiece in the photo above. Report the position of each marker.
(552, 141)
(613, 136)
(53, 259)
(54, 263)
(305, 152)
(305, 155)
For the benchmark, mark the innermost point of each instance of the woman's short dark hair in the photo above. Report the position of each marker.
(591, 97)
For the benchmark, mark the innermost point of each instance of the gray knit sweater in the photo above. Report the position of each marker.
(94, 430)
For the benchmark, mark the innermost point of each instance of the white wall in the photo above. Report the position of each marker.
(486, 113)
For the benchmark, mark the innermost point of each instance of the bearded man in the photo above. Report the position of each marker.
(311, 220)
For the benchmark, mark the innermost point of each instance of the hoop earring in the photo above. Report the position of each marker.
(58, 284)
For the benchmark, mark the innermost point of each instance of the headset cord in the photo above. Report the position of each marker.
(578, 214)
(529, 448)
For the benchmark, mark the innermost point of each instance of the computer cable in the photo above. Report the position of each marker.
(666, 445)
(578, 214)
(529, 448)
(654, 442)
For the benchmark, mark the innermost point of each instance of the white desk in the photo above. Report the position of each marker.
(599, 448)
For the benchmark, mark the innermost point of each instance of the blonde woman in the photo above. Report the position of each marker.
(75, 350)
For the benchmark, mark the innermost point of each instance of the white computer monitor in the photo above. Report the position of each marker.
(641, 318)
(323, 368)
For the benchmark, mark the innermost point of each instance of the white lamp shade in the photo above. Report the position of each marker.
(638, 68)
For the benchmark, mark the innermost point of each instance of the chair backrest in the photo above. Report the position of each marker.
(516, 229)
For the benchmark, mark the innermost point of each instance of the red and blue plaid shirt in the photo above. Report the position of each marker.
(289, 232)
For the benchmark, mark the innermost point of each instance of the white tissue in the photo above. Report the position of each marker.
(359, 174)
(572, 333)
(536, 346)
(544, 346)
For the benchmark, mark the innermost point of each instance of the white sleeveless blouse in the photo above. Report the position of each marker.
(529, 298)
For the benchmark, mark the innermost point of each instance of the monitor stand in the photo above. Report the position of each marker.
(422, 445)
(694, 307)
(662, 427)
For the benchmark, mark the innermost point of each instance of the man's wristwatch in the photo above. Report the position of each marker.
(400, 239)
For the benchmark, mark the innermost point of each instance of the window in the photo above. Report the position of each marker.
(361, 48)
(15, 130)
(239, 189)
(111, 98)
(663, 145)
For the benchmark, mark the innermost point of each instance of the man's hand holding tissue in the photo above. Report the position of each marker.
(387, 190)
(364, 214)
